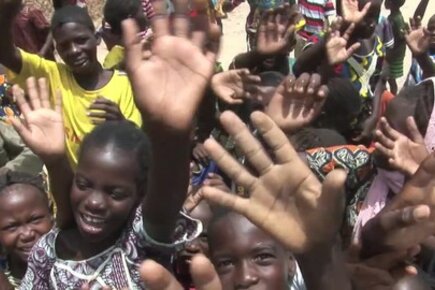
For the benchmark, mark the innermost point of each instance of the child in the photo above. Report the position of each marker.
(318, 16)
(396, 55)
(24, 218)
(117, 209)
(90, 94)
(246, 257)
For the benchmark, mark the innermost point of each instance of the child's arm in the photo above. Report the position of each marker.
(421, 9)
(168, 88)
(418, 40)
(43, 133)
(9, 54)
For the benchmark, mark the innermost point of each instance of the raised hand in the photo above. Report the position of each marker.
(103, 110)
(169, 85)
(403, 153)
(337, 50)
(417, 38)
(203, 273)
(297, 102)
(285, 199)
(42, 129)
(352, 13)
(233, 86)
(276, 30)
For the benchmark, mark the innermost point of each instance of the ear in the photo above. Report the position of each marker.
(292, 266)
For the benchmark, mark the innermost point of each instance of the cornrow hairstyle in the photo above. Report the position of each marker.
(72, 14)
(16, 177)
(123, 135)
(115, 11)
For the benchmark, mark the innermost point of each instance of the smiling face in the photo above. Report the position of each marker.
(245, 257)
(24, 218)
(105, 192)
(77, 46)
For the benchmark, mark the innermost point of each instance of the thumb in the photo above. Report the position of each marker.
(332, 199)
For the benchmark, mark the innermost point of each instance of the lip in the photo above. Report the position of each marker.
(91, 224)
(79, 62)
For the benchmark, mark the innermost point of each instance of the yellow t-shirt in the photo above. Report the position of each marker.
(75, 99)
(114, 57)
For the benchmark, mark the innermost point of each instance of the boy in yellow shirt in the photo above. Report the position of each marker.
(90, 94)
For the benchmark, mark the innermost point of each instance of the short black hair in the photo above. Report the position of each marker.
(123, 135)
(15, 177)
(115, 11)
(72, 14)
(309, 138)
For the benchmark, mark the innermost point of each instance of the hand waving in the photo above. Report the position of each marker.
(417, 37)
(286, 199)
(234, 85)
(297, 102)
(169, 85)
(337, 50)
(351, 12)
(43, 130)
(404, 154)
(276, 30)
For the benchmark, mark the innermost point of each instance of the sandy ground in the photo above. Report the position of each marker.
(234, 38)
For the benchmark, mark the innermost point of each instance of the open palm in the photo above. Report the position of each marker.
(43, 130)
(337, 50)
(286, 199)
(297, 102)
(418, 40)
(352, 13)
(169, 84)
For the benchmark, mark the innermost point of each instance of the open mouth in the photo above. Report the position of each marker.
(79, 62)
(91, 224)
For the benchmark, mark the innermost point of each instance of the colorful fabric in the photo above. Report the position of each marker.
(7, 107)
(415, 75)
(315, 13)
(116, 267)
(77, 100)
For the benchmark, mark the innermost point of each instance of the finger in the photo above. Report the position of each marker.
(384, 140)
(181, 23)
(97, 115)
(58, 102)
(289, 84)
(22, 130)
(413, 131)
(133, 46)
(404, 217)
(246, 142)
(351, 50)
(204, 274)
(198, 38)
(107, 107)
(276, 140)
(323, 92)
(160, 22)
(332, 196)
(348, 33)
(388, 130)
(44, 93)
(366, 9)
(302, 82)
(156, 277)
(225, 199)
(21, 100)
(314, 83)
(384, 150)
(233, 169)
(33, 93)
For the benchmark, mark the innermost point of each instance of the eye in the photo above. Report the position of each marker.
(82, 184)
(36, 219)
(118, 194)
(81, 40)
(264, 258)
(10, 228)
(224, 264)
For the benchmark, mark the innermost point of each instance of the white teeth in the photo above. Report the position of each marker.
(92, 220)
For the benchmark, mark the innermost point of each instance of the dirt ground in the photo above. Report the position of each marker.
(234, 39)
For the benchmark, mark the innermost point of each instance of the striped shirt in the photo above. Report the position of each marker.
(315, 13)
(147, 9)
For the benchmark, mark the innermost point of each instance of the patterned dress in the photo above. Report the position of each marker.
(116, 267)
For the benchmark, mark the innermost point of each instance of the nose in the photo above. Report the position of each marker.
(95, 203)
(27, 234)
(246, 275)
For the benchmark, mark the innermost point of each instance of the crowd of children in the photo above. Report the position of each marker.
(304, 165)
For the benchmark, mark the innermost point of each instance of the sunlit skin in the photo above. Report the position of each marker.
(24, 218)
(246, 257)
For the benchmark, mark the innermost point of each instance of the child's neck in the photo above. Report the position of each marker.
(395, 10)
(94, 80)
